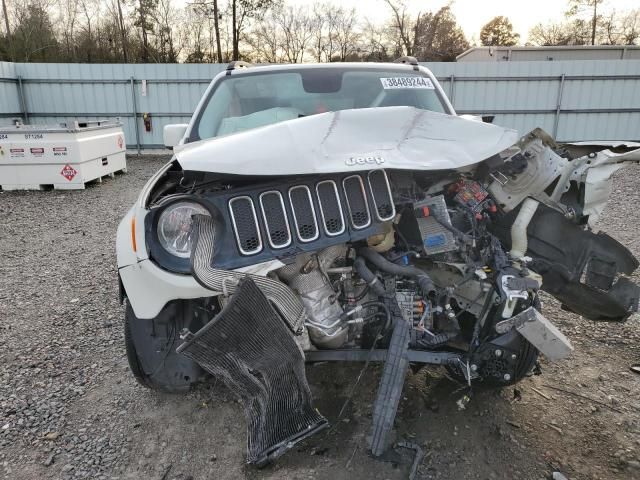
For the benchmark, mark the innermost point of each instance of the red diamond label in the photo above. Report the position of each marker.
(120, 142)
(68, 172)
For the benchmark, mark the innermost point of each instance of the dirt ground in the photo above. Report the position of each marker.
(70, 409)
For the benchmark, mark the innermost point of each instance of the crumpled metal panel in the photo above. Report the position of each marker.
(351, 140)
(249, 347)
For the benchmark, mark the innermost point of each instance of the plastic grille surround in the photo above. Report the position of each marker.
(304, 214)
(245, 225)
(381, 193)
(357, 201)
(275, 219)
(330, 207)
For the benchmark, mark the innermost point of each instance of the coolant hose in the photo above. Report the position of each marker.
(368, 276)
(424, 281)
(519, 241)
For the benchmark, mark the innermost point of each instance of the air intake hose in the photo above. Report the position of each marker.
(424, 281)
(285, 300)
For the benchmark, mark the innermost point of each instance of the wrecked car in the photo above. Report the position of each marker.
(344, 212)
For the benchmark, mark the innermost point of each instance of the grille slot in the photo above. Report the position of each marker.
(381, 194)
(330, 207)
(275, 219)
(304, 214)
(245, 225)
(356, 201)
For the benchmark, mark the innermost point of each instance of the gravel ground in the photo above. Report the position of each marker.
(70, 409)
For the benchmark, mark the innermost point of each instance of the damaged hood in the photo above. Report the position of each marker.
(348, 140)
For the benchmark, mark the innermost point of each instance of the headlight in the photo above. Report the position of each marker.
(174, 227)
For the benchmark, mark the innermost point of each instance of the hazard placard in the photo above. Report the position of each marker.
(68, 172)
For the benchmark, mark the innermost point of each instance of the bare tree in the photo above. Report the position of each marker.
(404, 24)
(297, 26)
(620, 29)
(210, 10)
(346, 35)
(577, 8)
(374, 42)
(89, 9)
(67, 20)
(165, 17)
(548, 35)
(630, 27)
(241, 12)
(123, 33)
(319, 26)
(7, 27)
(267, 40)
(194, 37)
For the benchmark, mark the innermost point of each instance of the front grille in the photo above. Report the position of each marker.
(356, 201)
(275, 219)
(304, 214)
(301, 211)
(381, 194)
(245, 225)
(330, 207)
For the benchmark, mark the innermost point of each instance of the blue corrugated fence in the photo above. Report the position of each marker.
(575, 100)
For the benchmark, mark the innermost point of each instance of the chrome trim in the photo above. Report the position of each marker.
(313, 212)
(324, 222)
(375, 204)
(235, 226)
(364, 195)
(266, 222)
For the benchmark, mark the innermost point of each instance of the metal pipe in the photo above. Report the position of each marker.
(452, 89)
(23, 100)
(135, 113)
(556, 120)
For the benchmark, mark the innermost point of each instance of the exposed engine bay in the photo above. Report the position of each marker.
(433, 267)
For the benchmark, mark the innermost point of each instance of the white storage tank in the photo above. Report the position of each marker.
(66, 157)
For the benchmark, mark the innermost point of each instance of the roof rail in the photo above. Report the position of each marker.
(238, 64)
(410, 60)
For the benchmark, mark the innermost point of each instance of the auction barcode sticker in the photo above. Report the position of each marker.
(406, 82)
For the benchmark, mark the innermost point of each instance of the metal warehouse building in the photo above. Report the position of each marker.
(536, 54)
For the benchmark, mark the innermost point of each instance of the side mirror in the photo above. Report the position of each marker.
(172, 134)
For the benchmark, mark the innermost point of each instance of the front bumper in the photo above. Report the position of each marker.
(149, 288)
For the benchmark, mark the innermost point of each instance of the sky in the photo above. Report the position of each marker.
(472, 14)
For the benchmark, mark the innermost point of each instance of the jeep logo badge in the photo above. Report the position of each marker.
(364, 161)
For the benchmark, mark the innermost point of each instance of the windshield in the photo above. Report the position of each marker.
(256, 99)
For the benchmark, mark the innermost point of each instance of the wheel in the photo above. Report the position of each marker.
(151, 350)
